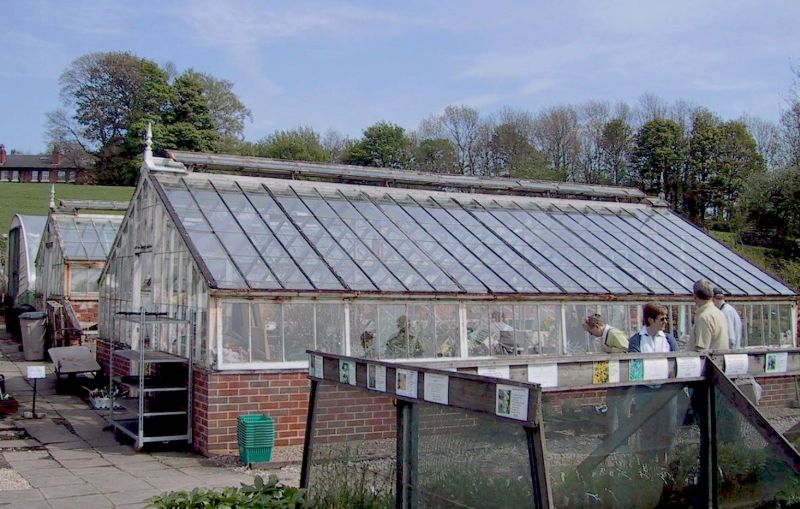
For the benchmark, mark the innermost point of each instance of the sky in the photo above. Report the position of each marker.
(345, 65)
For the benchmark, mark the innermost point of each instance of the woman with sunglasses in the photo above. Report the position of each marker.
(657, 434)
(651, 337)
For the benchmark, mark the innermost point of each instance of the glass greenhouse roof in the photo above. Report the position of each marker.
(267, 234)
(86, 237)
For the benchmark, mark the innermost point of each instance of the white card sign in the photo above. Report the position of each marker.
(776, 362)
(689, 367)
(436, 388)
(347, 372)
(376, 377)
(36, 372)
(406, 383)
(315, 366)
(736, 364)
(545, 375)
(656, 369)
(613, 372)
(495, 371)
(511, 402)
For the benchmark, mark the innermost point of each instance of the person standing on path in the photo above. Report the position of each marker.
(710, 330)
(734, 321)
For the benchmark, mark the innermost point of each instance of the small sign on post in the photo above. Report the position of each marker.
(35, 373)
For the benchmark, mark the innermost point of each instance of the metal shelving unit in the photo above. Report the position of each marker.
(152, 421)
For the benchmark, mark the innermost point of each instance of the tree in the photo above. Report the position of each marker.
(383, 145)
(300, 144)
(593, 118)
(555, 134)
(702, 160)
(768, 140)
(106, 93)
(108, 99)
(468, 134)
(615, 146)
(737, 162)
(658, 158)
(228, 112)
(790, 123)
(770, 206)
(434, 155)
(336, 145)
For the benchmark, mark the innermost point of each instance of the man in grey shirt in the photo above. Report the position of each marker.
(734, 321)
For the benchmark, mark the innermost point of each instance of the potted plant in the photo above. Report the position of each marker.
(100, 398)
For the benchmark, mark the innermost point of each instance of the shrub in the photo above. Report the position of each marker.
(269, 494)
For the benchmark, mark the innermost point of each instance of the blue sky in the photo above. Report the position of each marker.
(346, 65)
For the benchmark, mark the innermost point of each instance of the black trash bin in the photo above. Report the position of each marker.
(14, 329)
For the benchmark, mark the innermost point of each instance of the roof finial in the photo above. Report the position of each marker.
(148, 144)
(53, 197)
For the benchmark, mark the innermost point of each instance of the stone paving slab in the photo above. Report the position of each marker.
(74, 454)
(68, 490)
(67, 446)
(135, 498)
(45, 480)
(80, 463)
(26, 455)
(82, 502)
(37, 465)
(29, 504)
(9, 496)
(18, 444)
(48, 432)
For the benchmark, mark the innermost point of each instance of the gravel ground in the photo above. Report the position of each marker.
(11, 480)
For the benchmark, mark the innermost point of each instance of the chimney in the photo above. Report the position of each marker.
(3, 157)
(56, 157)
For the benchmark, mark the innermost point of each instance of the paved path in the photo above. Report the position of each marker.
(68, 460)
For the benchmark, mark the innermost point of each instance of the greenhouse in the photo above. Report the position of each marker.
(71, 254)
(23, 243)
(271, 258)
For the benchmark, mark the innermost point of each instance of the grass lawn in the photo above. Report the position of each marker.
(772, 260)
(33, 199)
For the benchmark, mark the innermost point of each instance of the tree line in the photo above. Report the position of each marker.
(726, 174)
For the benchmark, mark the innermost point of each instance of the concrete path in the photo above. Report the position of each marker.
(68, 460)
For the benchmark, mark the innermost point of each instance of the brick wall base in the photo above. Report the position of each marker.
(344, 413)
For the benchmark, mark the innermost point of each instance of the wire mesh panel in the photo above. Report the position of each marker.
(646, 456)
(469, 460)
(353, 459)
(749, 472)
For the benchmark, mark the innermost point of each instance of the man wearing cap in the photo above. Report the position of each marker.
(710, 331)
(734, 321)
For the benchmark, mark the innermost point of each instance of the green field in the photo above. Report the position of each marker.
(33, 199)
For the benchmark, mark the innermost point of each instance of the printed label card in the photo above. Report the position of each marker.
(511, 402)
(436, 388)
(347, 372)
(545, 375)
(656, 369)
(376, 377)
(613, 372)
(736, 364)
(635, 370)
(317, 365)
(776, 362)
(600, 373)
(689, 367)
(406, 383)
(495, 371)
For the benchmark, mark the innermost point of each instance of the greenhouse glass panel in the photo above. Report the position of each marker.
(758, 278)
(330, 327)
(235, 332)
(711, 269)
(298, 330)
(393, 336)
(363, 330)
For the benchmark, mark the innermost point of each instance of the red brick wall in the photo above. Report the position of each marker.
(777, 390)
(345, 413)
(553, 400)
(121, 366)
(87, 311)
